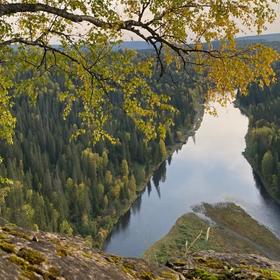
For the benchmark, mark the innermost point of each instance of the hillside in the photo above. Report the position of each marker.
(261, 105)
(79, 187)
(273, 37)
(232, 230)
(142, 45)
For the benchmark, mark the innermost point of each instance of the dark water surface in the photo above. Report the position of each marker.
(209, 168)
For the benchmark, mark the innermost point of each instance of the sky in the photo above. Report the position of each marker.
(271, 28)
(274, 27)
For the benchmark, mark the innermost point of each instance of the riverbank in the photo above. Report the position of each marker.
(209, 169)
(263, 182)
(223, 227)
(185, 133)
(267, 186)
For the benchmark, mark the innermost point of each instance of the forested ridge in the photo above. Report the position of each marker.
(76, 187)
(263, 137)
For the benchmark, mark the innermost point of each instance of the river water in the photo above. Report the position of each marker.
(210, 167)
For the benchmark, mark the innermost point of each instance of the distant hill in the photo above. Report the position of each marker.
(136, 45)
(142, 45)
(275, 37)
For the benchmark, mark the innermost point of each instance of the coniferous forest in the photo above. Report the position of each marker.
(122, 139)
(74, 186)
(263, 137)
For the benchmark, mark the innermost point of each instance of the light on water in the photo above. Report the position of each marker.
(209, 169)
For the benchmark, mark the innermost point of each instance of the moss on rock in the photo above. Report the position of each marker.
(7, 247)
(82, 262)
(17, 232)
(32, 256)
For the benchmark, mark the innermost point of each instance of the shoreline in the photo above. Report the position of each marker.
(260, 177)
(220, 223)
(170, 150)
(265, 185)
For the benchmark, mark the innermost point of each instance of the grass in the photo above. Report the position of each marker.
(234, 218)
(234, 231)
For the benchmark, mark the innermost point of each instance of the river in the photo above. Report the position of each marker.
(210, 167)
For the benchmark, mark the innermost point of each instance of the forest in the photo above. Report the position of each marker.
(75, 186)
(262, 105)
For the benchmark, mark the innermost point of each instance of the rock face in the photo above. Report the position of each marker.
(28, 255)
(25, 255)
(209, 265)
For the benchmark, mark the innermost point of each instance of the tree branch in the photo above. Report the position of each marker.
(10, 9)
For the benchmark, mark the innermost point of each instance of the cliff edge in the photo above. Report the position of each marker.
(28, 255)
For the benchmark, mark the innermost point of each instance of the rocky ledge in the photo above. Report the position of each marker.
(210, 265)
(28, 255)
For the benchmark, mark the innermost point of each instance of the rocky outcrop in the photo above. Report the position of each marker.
(210, 265)
(28, 255)
(25, 255)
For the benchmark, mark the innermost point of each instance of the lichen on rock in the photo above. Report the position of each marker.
(57, 257)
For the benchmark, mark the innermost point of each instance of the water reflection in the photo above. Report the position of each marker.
(159, 175)
(211, 168)
(136, 207)
(149, 188)
(124, 221)
(169, 160)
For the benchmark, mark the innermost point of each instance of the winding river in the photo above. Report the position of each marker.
(210, 167)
